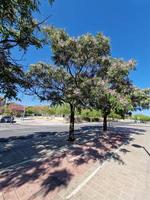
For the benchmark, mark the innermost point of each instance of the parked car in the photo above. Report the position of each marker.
(7, 119)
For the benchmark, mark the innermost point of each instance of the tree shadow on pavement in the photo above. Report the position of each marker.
(47, 158)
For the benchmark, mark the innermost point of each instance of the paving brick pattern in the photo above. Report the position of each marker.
(129, 181)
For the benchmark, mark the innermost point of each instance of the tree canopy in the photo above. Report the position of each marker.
(112, 91)
(85, 75)
(18, 28)
(76, 59)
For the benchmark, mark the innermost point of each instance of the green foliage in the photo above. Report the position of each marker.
(63, 110)
(76, 58)
(76, 54)
(11, 76)
(12, 109)
(59, 110)
(86, 77)
(140, 99)
(36, 110)
(110, 90)
(51, 84)
(29, 111)
(18, 28)
(114, 116)
(90, 113)
(141, 117)
(48, 110)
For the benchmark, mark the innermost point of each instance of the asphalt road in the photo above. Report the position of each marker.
(16, 130)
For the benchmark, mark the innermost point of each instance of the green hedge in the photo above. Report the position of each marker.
(141, 117)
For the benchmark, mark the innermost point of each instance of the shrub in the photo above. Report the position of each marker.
(141, 117)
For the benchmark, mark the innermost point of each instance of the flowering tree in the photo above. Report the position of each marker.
(14, 109)
(77, 59)
(110, 89)
(113, 91)
(140, 98)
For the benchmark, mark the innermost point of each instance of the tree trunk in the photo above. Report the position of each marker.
(71, 127)
(105, 123)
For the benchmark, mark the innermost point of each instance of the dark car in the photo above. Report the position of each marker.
(7, 119)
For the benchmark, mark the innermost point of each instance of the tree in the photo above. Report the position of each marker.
(77, 59)
(140, 98)
(11, 76)
(54, 85)
(36, 110)
(18, 28)
(15, 109)
(110, 90)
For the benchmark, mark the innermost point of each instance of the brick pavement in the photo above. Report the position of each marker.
(128, 181)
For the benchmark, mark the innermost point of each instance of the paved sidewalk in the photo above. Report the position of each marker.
(128, 181)
(58, 171)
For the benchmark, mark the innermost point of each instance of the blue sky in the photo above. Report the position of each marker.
(126, 23)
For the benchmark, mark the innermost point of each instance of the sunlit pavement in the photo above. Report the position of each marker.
(44, 166)
(129, 180)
